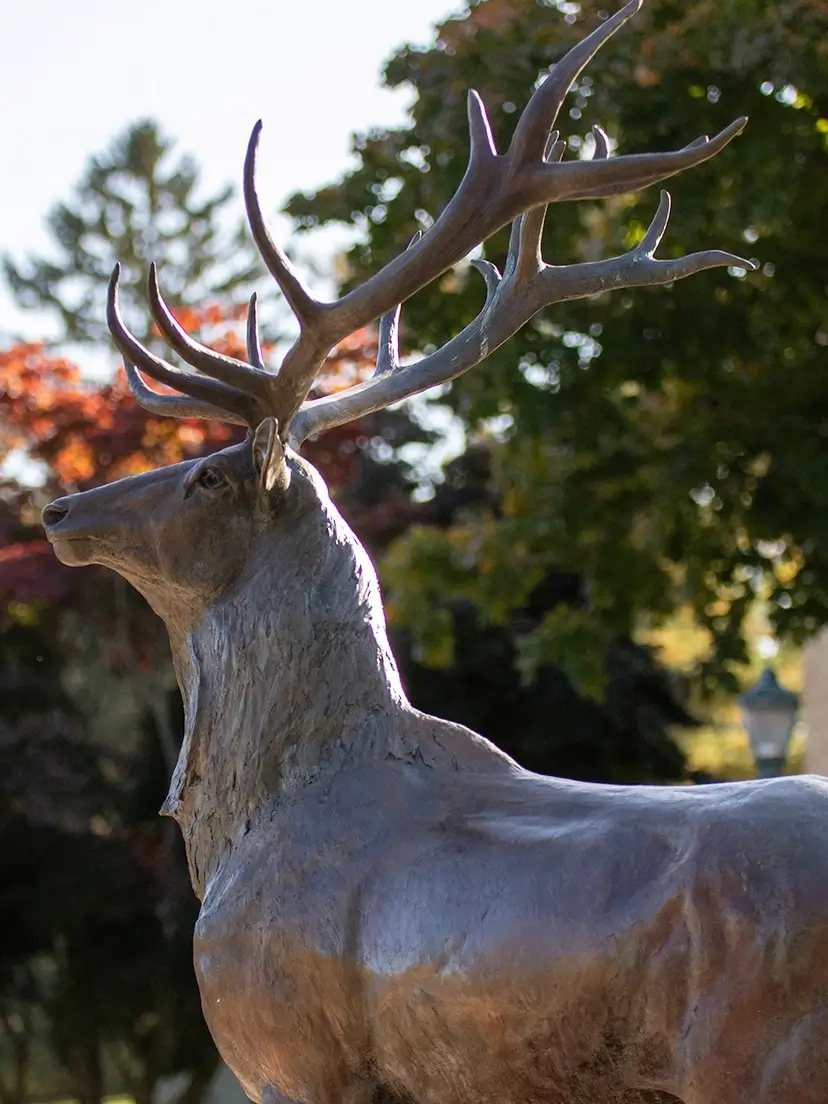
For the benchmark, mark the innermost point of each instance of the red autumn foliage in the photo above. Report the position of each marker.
(27, 573)
(79, 434)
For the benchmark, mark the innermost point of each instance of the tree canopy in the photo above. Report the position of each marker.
(666, 445)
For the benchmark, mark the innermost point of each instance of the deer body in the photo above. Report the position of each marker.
(393, 911)
(631, 941)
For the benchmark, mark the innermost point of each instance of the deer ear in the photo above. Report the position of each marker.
(269, 463)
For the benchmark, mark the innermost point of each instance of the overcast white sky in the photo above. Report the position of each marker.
(75, 72)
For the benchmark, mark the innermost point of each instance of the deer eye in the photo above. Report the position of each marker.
(210, 479)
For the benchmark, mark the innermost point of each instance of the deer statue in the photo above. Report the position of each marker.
(391, 908)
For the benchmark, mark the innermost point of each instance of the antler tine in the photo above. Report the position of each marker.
(636, 268)
(235, 373)
(388, 337)
(388, 342)
(540, 113)
(555, 147)
(254, 345)
(175, 406)
(526, 287)
(482, 146)
(606, 176)
(301, 302)
(236, 404)
(491, 274)
(655, 231)
(601, 143)
(524, 256)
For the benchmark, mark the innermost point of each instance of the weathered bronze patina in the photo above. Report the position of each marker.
(391, 908)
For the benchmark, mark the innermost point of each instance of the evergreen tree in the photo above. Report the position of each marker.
(136, 203)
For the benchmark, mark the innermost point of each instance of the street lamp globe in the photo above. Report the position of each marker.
(769, 712)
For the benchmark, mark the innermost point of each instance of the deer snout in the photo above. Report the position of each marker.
(54, 513)
(69, 531)
(64, 521)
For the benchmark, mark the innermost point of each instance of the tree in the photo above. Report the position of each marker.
(664, 445)
(135, 204)
(543, 722)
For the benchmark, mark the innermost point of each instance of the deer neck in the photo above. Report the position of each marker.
(289, 676)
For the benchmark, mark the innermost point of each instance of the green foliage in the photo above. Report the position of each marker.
(667, 444)
(134, 205)
(473, 649)
(570, 640)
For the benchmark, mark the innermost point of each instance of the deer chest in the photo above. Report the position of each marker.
(274, 951)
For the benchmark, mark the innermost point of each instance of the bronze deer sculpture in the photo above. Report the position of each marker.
(391, 908)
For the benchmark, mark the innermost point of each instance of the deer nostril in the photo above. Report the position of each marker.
(53, 514)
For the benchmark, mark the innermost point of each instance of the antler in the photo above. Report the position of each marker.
(526, 286)
(229, 391)
(495, 190)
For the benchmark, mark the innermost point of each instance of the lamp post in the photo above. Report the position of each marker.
(769, 712)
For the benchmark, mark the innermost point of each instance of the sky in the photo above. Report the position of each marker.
(76, 72)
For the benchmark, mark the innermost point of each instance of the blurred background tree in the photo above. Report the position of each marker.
(136, 203)
(667, 446)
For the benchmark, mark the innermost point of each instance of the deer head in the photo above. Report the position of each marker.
(182, 534)
(203, 535)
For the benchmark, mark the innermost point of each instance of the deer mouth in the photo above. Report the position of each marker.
(73, 551)
(72, 545)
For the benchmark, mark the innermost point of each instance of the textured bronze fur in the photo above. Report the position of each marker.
(391, 909)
